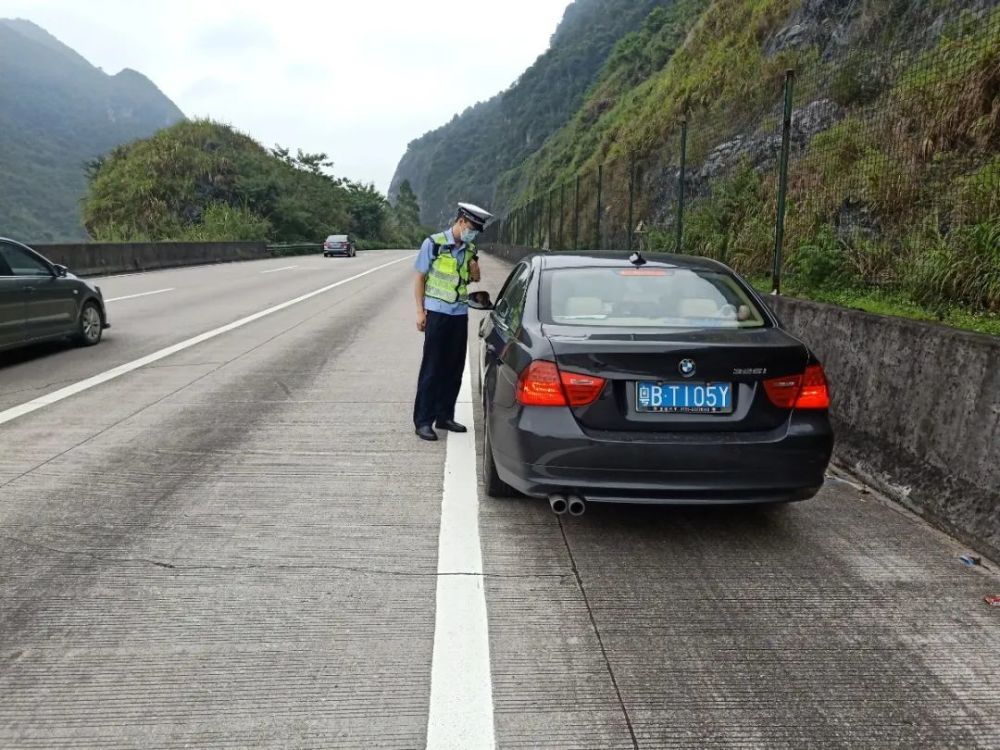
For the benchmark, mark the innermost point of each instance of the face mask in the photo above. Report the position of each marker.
(469, 235)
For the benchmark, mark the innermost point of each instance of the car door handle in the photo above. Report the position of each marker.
(28, 288)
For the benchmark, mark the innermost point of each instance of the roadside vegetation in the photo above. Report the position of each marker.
(894, 201)
(204, 181)
(928, 244)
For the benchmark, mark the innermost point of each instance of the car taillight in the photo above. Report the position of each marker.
(539, 385)
(814, 393)
(805, 391)
(581, 390)
(542, 384)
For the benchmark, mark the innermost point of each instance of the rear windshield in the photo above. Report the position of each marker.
(647, 297)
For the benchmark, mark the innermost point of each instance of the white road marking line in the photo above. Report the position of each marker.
(283, 268)
(461, 706)
(144, 294)
(71, 390)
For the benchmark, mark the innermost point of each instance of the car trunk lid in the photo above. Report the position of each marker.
(741, 358)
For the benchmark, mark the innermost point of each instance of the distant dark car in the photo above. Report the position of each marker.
(42, 301)
(338, 244)
(664, 381)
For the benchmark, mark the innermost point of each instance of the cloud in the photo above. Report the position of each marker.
(207, 89)
(244, 36)
(307, 72)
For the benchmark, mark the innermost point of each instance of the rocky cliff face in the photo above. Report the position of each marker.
(762, 151)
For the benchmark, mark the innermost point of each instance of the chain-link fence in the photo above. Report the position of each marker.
(892, 173)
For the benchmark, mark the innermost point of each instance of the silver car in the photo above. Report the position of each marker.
(42, 301)
(338, 244)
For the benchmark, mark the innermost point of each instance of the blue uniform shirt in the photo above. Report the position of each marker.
(423, 265)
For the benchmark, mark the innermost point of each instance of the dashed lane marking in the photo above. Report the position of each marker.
(142, 294)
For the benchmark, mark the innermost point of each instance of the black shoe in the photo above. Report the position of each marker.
(424, 432)
(451, 426)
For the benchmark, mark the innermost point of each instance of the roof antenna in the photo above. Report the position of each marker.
(636, 259)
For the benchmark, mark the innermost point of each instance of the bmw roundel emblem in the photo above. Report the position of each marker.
(687, 367)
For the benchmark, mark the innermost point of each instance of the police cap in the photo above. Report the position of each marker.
(479, 217)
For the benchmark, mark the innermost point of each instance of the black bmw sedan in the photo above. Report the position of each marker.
(663, 379)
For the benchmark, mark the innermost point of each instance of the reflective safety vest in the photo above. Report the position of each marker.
(447, 279)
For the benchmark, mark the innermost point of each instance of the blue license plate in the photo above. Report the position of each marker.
(684, 398)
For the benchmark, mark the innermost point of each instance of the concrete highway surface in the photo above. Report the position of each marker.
(217, 530)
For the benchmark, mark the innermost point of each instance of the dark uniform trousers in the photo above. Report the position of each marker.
(445, 340)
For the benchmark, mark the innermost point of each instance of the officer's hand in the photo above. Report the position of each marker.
(474, 271)
(421, 320)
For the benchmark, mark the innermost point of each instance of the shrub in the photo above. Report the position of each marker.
(963, 267)
(820, 263)
(733, 224)
(223, 222)
(977, 196)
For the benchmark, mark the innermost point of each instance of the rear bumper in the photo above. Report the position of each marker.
(545, 451)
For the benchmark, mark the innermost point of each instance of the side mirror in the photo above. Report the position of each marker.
(61, 271)
(480, 301)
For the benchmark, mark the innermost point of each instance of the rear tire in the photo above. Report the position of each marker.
(90, 326)
(495, 486)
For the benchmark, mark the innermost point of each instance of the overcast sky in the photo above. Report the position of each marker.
(357, 79)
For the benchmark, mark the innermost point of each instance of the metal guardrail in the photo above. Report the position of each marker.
(301, 248)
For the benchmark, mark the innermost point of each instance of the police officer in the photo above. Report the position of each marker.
(447, 263)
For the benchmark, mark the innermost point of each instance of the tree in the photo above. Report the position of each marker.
(315, 163)
(407, 206)
(367, 209)
(402, 226)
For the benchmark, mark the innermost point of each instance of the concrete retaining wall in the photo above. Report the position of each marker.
(917, 411)
(916, 407)
(92, 259)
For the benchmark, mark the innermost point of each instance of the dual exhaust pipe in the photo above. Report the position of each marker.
(572, 504)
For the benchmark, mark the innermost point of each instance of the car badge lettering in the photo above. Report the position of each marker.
(687, 368)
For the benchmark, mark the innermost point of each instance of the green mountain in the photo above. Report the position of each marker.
(204, 181)
(464, 159)
(894, 180)
(57, 113)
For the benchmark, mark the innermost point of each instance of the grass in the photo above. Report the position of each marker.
(881, 302)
